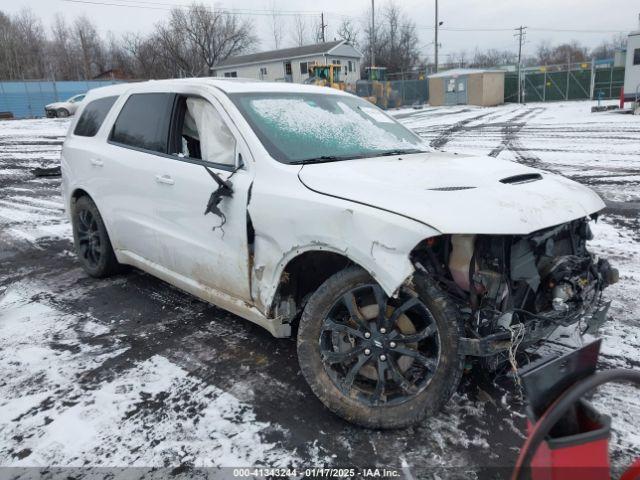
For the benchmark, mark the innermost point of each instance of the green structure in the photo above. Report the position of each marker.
(581, 81)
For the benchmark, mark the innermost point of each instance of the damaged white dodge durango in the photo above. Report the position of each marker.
(306, 209)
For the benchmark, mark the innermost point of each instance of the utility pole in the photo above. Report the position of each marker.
(521, 32)
(322, 27)
(372, 40)
(436, 40)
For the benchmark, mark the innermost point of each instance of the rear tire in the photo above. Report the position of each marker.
(91, 240)
(430, 367)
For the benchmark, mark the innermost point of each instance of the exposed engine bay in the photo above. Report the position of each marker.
(533, 283)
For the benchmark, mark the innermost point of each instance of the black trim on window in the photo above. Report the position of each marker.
(93, 116)
(128, 128)
(173, 139)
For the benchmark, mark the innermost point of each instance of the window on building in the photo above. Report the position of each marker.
(287, 68)
(144, 121)
(335, 61)
(263, 70)
(350, 64)
(304, 68)
(231, 74)
(93, 115)
(636, 56)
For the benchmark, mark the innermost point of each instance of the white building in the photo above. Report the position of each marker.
(632, 67)
(292, 64)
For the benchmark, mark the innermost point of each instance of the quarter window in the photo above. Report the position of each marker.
(203, 135)
(93, 115)
(144, 121)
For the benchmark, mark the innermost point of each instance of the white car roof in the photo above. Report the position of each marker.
(235, 85)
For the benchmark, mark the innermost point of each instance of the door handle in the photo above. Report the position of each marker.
(96, 162)
(166, 179)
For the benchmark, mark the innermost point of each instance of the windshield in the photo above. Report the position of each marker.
(311, 127)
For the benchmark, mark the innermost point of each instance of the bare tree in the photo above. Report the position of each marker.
(200, 37)
(607, 48)
(300, 31)
(395, 40)
(348, 31)
(276, 26)
(89, 46)
(28, 46)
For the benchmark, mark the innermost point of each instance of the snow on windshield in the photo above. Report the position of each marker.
(324, 125)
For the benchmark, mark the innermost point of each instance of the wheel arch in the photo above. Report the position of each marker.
(76, 194)
(304, 269)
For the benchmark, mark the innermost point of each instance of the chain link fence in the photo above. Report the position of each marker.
(27, 99)
(394, 93)
(581, 81)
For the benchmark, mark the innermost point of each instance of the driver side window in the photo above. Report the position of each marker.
(202, 133)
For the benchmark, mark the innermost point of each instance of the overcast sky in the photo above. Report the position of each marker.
(465, 18)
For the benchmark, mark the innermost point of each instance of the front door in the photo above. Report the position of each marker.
(461, 90)
(159, 188)
(450, 92)
(288, 72)
(209, 248)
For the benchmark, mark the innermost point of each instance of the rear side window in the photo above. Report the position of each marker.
(144, 121)
(93, 115)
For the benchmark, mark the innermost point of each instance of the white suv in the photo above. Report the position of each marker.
(306, 209)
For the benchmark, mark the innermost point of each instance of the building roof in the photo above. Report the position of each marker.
(282, 54)
(456, 72)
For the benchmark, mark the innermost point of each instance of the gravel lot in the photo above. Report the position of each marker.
(130, 371)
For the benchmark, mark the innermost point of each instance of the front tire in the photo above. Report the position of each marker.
(380, 371)
(91, 240)
(62, 113)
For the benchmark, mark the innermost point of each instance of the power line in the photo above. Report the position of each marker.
(168, 7)
(156, 5)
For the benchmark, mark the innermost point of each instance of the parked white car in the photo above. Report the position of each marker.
(64, 109)
(306, 209)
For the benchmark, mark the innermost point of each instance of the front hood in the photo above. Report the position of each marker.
(457, 194)
(54, 105)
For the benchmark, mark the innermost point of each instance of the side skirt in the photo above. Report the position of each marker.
(207, 294)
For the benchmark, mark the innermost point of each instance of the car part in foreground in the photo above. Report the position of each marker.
(377, 361)
(568, 438)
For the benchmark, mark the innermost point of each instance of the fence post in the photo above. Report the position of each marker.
(611, 81)
(544, 85)
(566, 93)
(55, 90)
(592, 85)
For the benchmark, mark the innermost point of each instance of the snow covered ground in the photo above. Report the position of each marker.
(129, 371)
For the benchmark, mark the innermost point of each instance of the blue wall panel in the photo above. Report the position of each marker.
(27, 99)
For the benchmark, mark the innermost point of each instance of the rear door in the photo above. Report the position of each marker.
(137, 142)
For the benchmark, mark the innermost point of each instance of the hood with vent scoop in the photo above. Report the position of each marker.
(456, 193)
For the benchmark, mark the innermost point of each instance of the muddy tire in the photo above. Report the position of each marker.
(91, 240)
(380, 371)
(62, 113)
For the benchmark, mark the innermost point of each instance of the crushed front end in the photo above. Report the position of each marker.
(512, 287)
